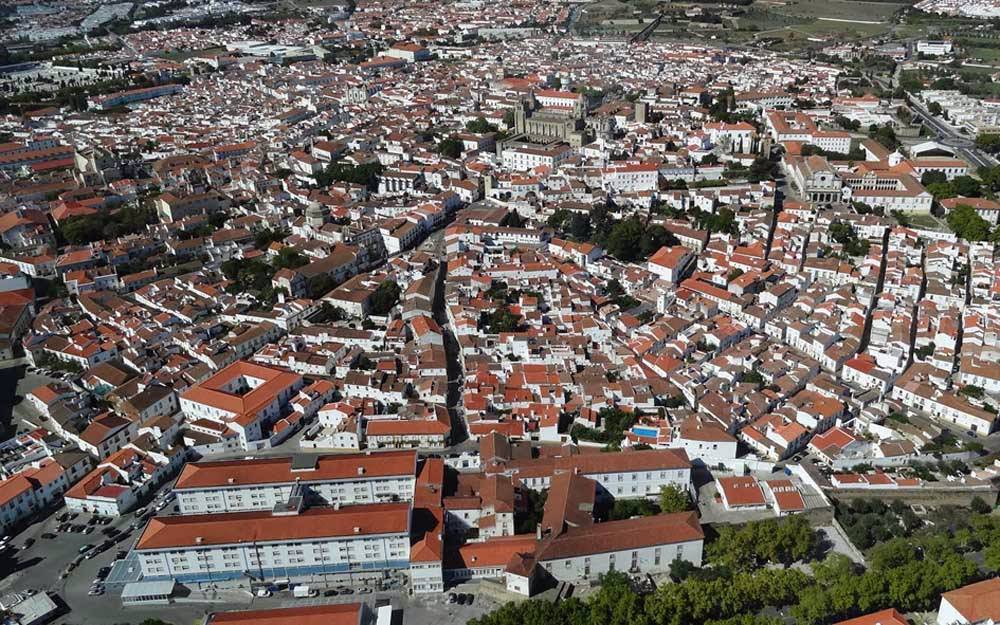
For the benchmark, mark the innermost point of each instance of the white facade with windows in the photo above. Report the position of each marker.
(259, 546)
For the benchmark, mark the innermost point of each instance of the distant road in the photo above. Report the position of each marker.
(950, 137)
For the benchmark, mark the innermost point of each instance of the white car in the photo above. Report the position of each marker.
(263, 592)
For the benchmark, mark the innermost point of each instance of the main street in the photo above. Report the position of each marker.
(948, 136)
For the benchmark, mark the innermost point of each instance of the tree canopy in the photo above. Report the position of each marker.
(966, 223)
(385, 297)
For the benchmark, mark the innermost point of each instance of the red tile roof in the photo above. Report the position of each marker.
(175, 532)
(224, 473)
(334, 614)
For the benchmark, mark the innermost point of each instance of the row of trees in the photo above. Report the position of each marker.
(742, 582)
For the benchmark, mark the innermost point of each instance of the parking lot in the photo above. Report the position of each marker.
(52, 555)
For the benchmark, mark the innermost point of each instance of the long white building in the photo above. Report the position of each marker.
(262, 483)
(638, 546)
(623, 476)
(263, 546)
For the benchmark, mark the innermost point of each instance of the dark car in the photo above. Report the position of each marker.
(28, 543)
(330, 593)
(48, 535)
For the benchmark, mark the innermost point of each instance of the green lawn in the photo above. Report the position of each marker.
(837, 9)
(988, 55)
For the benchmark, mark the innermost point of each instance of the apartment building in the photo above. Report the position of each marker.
(264, 546)
(262, 483)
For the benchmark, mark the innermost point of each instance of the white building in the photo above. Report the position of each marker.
(262, 483)
(263, 546)
(635, 546)
(975, 603)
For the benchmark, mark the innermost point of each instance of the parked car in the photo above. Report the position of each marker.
(28, 543)
(48, 535)
(331, 592)
(95, 591)
(263, 592)
(451, 597)
(85, 548)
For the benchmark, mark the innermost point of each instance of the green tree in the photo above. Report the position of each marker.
(385, 298)
(616, 603)
(624, 241)
(988, 142)
(479, 125)
(990, 177)
(966, 186)
(450, 148)
(319, 285)
(502, 320)
(966, 223)
(933, 177)
(673, 499)
(290, 258)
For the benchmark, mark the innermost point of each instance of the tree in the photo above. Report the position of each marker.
(673, 499)
(502, 320)
(979, 505)
(290, 258)
(966, 186)
(480, 126)
(319, 285)
(512, 219)
(988, 142)
(450, 148)
(616, 603)
(266, 237)
(966, 223)
(624, 241)
(884, 135)
(990, 177)
(366, 175)
(973, 391)
(385, 298)
(933, 177)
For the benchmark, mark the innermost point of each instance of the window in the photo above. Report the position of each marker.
(611, 562)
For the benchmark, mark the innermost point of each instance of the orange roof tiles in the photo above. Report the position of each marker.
(333, 614)
(235, 473)
(177, 532)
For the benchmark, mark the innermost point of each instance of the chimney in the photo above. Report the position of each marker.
(198, 540)
(357, 530)
(538, 531)
(361, 470)
(231, 480)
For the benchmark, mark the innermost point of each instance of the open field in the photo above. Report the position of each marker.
(836, 9)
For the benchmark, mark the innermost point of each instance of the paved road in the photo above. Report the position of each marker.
(950, 137)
